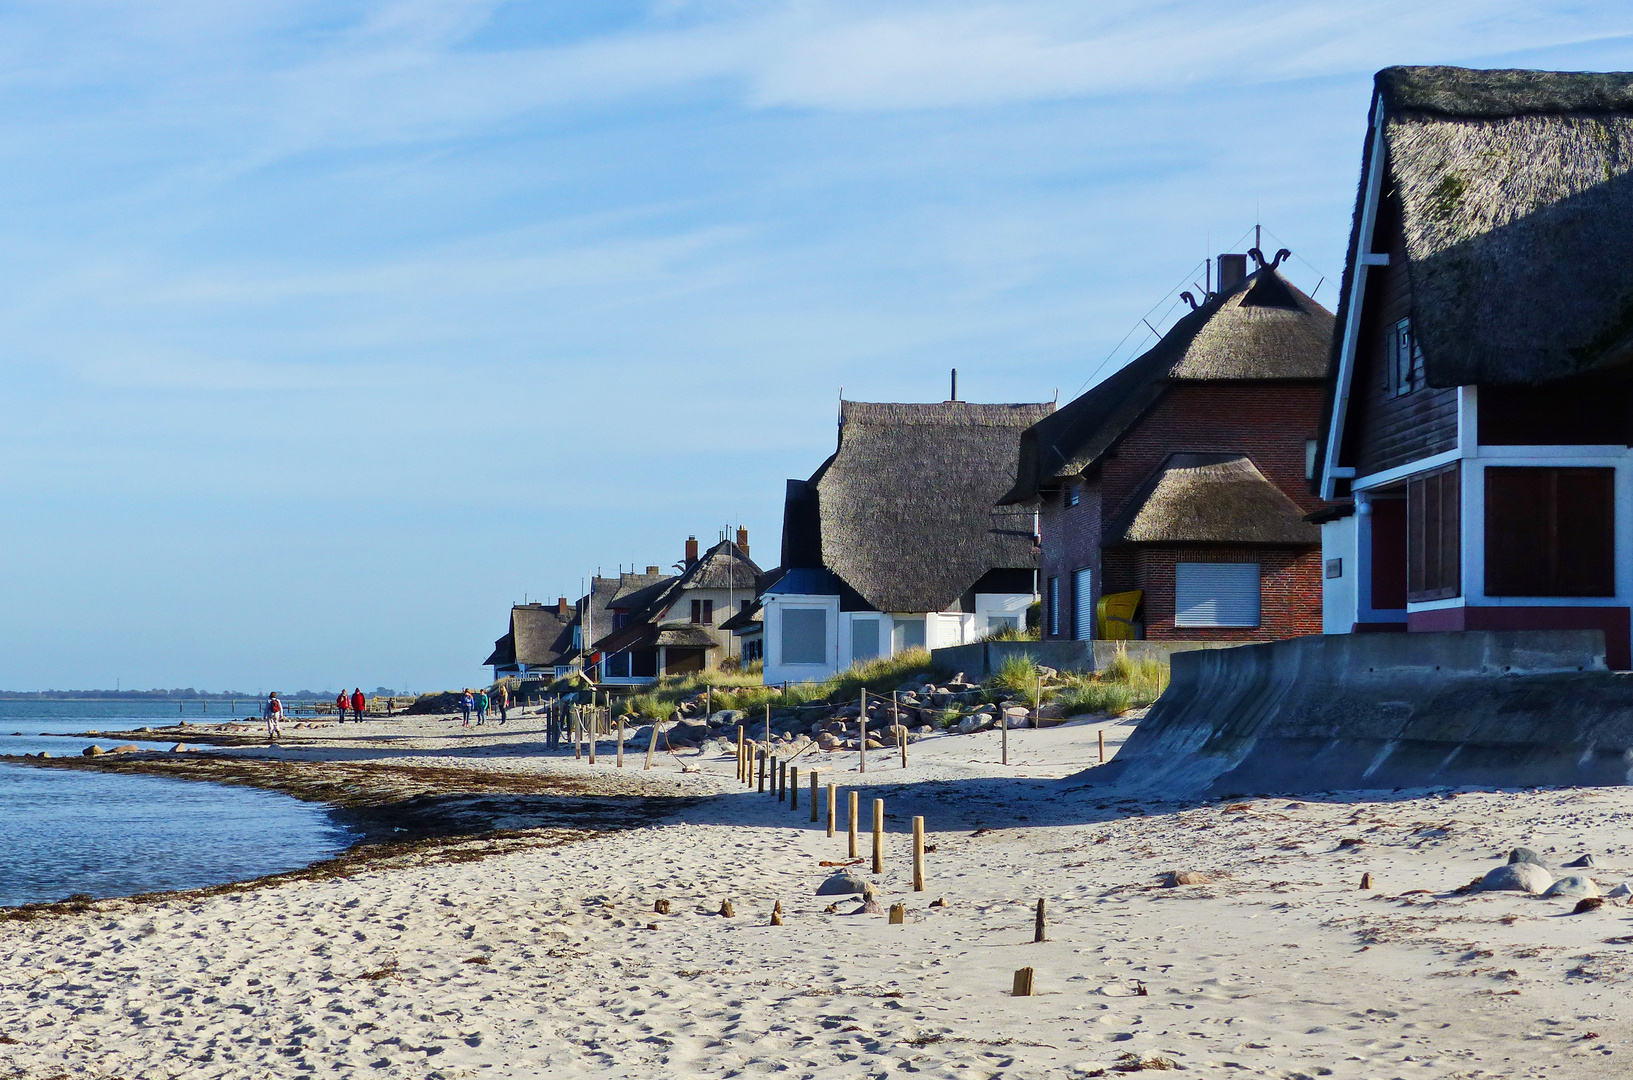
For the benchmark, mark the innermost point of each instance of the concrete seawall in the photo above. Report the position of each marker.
(1383, 711)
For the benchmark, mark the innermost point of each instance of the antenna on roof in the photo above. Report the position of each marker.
(1057, 395)
(955, 386)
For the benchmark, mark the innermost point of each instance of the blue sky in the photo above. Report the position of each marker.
(333, 328)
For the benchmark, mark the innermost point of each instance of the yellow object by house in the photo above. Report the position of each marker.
(1116, 615)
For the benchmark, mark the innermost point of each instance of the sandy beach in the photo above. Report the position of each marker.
(540, 953)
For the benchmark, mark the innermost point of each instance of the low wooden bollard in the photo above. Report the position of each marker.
(813, 796)
(592, 727)
(1003, 725)
(1366, 881)
(741, 743)
(1023, 983)
(578, 736)
(898, 914)
(918, 854)
(776, 914)
(620, 742)
(1102, 734)
(853, 808)
(1038, 927)
(833, 810)
(782, 781)
(793, 787)
(903, 739)
(764, 764)
(878, 836)
(726, 910)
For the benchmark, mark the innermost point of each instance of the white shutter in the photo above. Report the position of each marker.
(1083, 597)
(1216, 594)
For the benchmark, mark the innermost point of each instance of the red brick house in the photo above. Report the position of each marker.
(1185, 475)
(1481, 398)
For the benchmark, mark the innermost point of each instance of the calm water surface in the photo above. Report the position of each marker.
(64, 832)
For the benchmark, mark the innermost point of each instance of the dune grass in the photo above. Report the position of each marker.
(745, 691)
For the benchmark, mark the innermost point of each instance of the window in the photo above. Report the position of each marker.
(997, 624)
(864, 639)
(1216, 594)
(1071, 497)
(1083, 600)
(1309, 459)
(703, 612)
(1403, 360)
(617, 665)
(1433, 536)
(1054, 607)
(1550, 532)
(908, 633)
(620, 620)
(804, 635)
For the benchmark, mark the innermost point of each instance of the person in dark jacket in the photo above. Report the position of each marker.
(359, 703)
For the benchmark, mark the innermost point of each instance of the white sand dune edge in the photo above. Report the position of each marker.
(542, 963)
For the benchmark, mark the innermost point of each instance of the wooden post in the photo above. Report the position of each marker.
(833, 811)
(764, 755)
(863, 720)
(918, 854)
(898, 914)
(902, 738)
(620, 742)
(1023, 983)
(1003, 725)
(741, 742)
(793, 787)
(878, 836)
(593, 718)
(852, 854)
(1102, 734)
(1037, 930)
(768, 726)
(652, 741)
(814, 795)
(578, 744)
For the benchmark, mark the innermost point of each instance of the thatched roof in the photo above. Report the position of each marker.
(684, 635)
(1515, 194)
(904, 511)
(1262, 330)
(538, 636)
(723, 566)
(1211, 499)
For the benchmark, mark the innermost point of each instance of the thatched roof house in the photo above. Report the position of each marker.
(1487, 307)
(1178, 484)
(538, 638)
(896, 541)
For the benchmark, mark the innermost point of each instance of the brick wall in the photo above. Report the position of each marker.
(1071, 540)
(1289, 592)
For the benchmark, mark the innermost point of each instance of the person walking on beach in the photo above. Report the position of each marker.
(481, 706)
(466, 704)
(340, 706)
(359, 703)
(273, 711)
(504, 702)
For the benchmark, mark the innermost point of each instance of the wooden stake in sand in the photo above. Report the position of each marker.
(813, 796)
(782, 780)
(901, 737)
(918, 854)
(878, 836)
(768, 721)
(741, 743)
(578, 744)
(898, 914)
(1023, 983)
(764, 754)
(726, 910)
(1003, 724)
(593, 719)
(833, 811)
(852, 854)
(1037, 930)
(1102, 734)
(793, 787)
(863, 720)
(652, 741)
(620, 742)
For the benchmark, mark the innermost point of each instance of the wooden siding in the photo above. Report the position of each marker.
(1574, 415)
(1386, 430)
(1434, 518)
(1550, 532)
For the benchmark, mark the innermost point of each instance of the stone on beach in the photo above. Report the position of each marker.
(1584, 863)
(1573, 887)
(841, 884)
(1526, 877)
(1624, 889)
(1175, 878)
(93, 751)
(1526, 855)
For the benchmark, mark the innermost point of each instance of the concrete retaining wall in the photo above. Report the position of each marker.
(1370, 711)
(982, 658)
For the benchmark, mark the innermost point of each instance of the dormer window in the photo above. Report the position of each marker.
(1072, 495)
(1403, 360)
(703, 612)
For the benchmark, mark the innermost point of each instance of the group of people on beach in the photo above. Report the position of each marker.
(359, 704)
(479, 702)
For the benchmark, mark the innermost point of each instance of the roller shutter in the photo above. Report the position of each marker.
(1216, 594)
(1083, 598)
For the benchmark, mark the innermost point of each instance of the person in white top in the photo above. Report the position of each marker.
(273, 711)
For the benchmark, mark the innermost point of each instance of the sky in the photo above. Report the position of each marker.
(333, 328)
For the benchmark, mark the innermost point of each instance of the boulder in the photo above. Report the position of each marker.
(45, 753)
(1584, 863)
(896, 731)
(829, 741)
(1526, 877)
(1525, 854)
(1573, 887)
(969, 725)
(842, 883)
(926, 729)
(93, 751)
(1175, 878)
(1017, 712)
(180, 748)
(1624, 889)
(875, 744)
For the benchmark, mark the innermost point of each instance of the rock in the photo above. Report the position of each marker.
(1047, 672)
(1526, 877)
(45, 753)
(969, 725)
(127, 748)
(842, 883)
(896, 731)
(1584, 863)
(1624, 889)
(829, 741)
(726, 910)
(1016, 712)
(1052, 711)
(1586, 904)
(1523, 854)
(661, 906)
(926, 729)
(1573, 887)
(1366, 881)
(1175, 878)
(93, 751)
(875, 744)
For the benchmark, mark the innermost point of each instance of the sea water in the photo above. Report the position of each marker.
(64, 832)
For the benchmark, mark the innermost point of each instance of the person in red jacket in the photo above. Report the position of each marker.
(340, 706)
(359, 703)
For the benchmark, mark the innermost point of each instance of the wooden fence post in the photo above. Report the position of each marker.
(833, 811)
(652, 740)
(878, 836)
(863, 720)
(594, 719)
(620, 742)
(793, 787)
(1102, 734)
(764, 755)
(813, 795)
(1037, 930)
(918, 854)
(1003, 724)
(1023, 983)
(852, 854)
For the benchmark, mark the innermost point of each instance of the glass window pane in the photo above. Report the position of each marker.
(805, 635)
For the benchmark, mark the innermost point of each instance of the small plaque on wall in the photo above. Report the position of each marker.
(1335, 568)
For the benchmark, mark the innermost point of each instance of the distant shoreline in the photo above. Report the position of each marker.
(166, 696)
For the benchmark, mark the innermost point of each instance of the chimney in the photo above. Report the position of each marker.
(742, 540)
(955, 386)
(653, 570)
(691, 551)
(561, 607)
(1232, 271)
